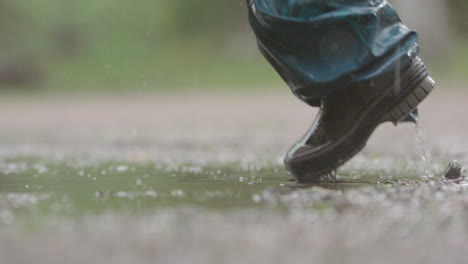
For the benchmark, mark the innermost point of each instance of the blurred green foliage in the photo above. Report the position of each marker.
(123, 45)
(459, 11)
(66, 45)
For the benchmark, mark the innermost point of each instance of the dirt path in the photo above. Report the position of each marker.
(208, 128)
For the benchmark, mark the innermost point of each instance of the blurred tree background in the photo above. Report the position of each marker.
(458, 11)
(116, 45)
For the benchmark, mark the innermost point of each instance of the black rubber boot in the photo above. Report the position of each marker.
(348, 117)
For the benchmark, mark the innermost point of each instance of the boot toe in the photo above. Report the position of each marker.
(305, 151)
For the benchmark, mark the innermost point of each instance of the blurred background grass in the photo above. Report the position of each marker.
(65, 46)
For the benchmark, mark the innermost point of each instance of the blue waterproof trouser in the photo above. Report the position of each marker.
(321, 46)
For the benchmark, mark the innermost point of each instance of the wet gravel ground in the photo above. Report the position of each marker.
(386, 212)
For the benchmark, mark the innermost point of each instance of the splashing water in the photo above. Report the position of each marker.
(428, 173)
(330, 177)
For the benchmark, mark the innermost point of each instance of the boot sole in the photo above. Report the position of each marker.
(305, 170)
(410, 102)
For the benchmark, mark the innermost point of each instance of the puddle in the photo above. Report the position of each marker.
(123, 209)
(71, 188)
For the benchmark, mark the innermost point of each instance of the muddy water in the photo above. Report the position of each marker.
(123, 212)
(30, 187)
(124, 186)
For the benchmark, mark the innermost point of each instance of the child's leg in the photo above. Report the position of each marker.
(321, 46)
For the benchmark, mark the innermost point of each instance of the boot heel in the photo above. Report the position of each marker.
(411, 101)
